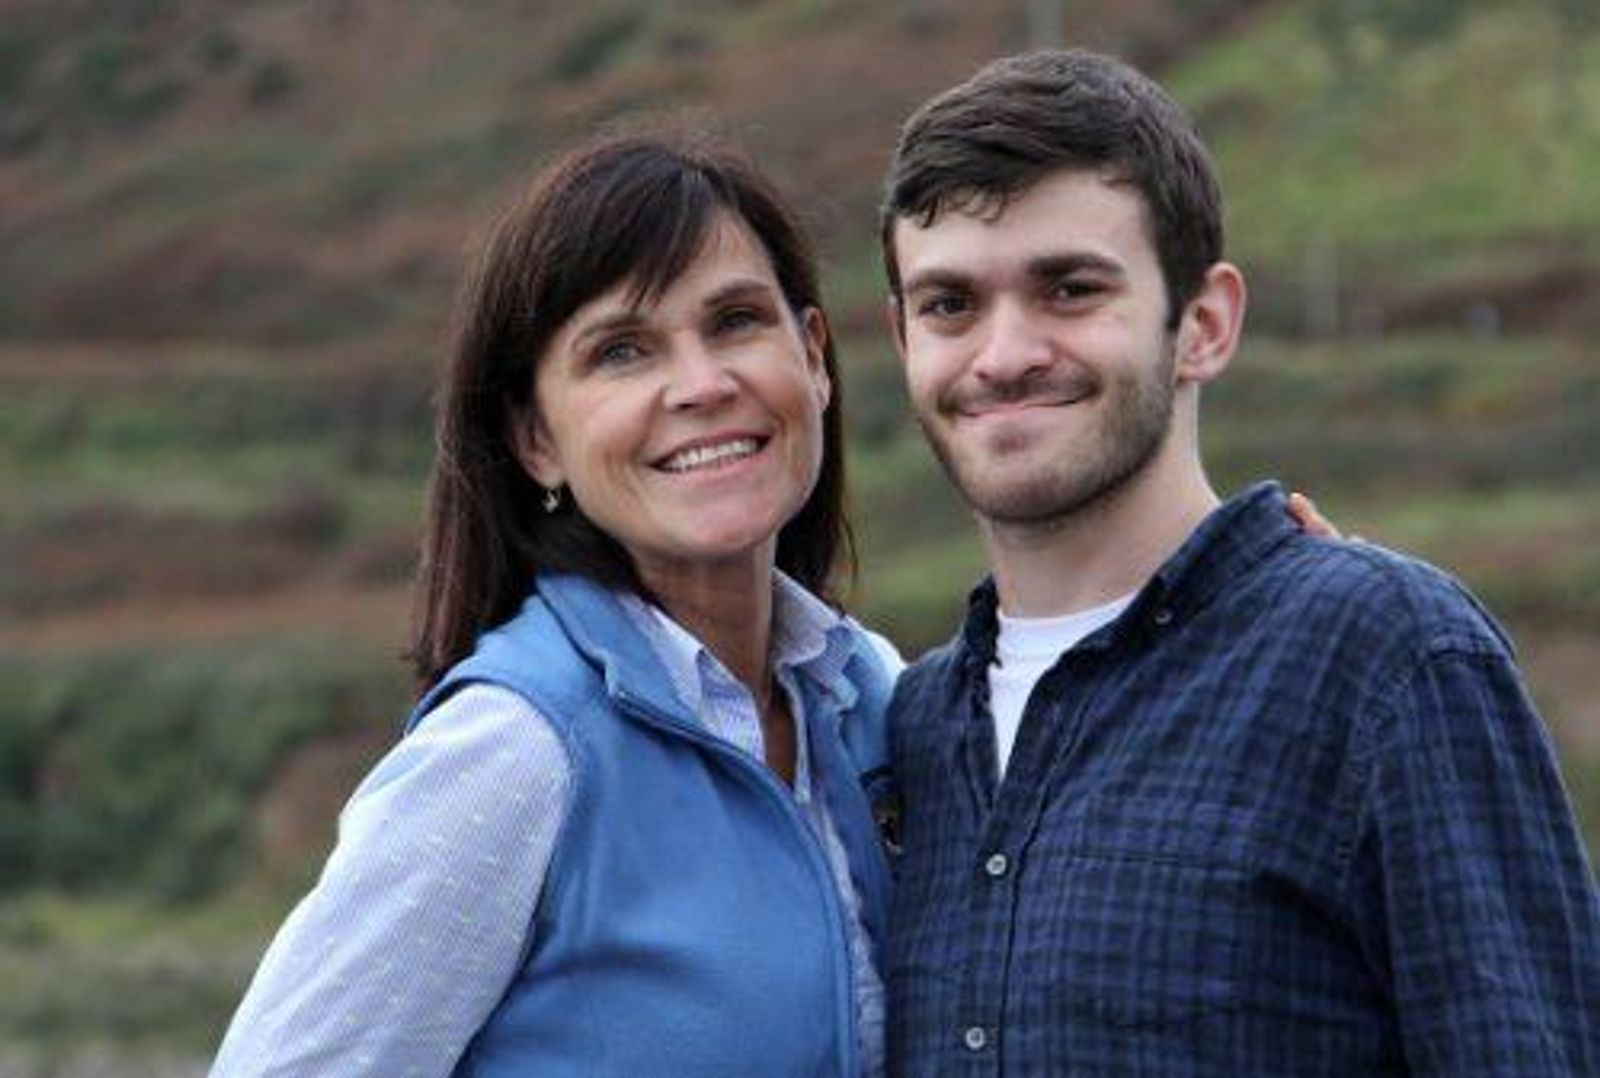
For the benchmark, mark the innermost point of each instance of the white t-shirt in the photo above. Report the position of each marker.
(1024, 650)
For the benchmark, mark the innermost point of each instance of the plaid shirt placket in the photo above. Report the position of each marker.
(1230, 850)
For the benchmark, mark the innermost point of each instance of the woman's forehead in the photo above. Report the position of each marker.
(728, 249)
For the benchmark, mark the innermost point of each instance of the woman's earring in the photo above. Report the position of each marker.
(552, 499)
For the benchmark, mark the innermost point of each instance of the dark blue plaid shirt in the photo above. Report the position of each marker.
(1291, 814)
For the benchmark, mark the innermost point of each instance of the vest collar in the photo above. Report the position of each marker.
(599, 627)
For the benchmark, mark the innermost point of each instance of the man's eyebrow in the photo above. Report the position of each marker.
(1053, 266)
(936, 277)
(1043, 267)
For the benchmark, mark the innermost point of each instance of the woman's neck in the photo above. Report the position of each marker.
(728, 608)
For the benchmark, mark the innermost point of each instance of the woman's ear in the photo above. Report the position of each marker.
(1208, 332)
(814, 333)
(533, 448)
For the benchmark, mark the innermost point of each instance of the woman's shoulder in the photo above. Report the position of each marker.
(877, 645)
(469, 803)
(481, 734)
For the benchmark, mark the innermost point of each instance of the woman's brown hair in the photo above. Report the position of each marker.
(630, 209)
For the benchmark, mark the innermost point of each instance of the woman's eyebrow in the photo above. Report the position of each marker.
(741, 288)
(610, 322)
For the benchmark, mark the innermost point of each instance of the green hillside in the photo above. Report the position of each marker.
(230, 235)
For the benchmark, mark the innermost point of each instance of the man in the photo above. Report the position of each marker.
(1191, 792)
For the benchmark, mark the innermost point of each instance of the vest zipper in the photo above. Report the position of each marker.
(810, 842)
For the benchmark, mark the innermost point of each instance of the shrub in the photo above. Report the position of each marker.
(273, 81)
(141, 770)
(596, 44)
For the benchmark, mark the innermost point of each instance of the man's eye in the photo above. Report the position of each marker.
(1077, 288)
(947, 305)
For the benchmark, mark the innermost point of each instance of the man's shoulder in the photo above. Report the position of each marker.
(1352, 586)
(937, 666)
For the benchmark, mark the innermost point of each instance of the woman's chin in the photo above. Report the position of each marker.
(715, 544)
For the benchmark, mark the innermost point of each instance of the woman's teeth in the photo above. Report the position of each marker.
(706, 455)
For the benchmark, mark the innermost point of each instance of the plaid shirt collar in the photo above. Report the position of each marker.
(1225, 547)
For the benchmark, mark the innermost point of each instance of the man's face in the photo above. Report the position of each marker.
(1036, 348)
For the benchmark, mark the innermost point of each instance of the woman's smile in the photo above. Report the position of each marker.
(715, 453)
(687, 424)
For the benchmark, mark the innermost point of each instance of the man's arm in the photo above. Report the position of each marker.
(1475, 889)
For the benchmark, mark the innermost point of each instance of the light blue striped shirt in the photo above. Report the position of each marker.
(421, 915)
(806, 643)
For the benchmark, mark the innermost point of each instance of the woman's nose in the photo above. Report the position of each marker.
(698, 377)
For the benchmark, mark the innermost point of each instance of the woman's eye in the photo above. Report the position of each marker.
(738, 318)
(616, 352)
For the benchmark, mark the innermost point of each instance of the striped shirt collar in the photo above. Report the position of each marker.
(810, 645)
(809, 640)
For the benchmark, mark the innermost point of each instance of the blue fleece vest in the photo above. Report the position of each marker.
(689, 923)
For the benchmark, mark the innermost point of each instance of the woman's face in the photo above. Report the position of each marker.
(688, 426)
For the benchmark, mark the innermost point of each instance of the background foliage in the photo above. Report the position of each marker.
(230, 236)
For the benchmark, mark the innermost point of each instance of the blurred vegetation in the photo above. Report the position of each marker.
(121, 986)
(276, 462)
(230, 241)
(144, 771)
(1453, 138)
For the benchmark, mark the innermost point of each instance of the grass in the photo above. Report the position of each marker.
(219, 443)
(128, 780)
(1527, 552)
(139, 770)
(154, 984)
(1409, 417)
(1459, 139)
(1583, 786)
(916, 596)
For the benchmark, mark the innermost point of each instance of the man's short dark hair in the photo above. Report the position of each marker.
(1024, 117)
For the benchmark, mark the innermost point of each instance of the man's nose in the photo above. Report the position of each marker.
(1016, 344)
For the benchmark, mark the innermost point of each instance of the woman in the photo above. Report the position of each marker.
(628, 831)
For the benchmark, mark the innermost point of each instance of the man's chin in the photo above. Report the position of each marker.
(1027, 505)
(1045, 499)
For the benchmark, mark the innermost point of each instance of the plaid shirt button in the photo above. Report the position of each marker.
(975, 1038)
(997, 865)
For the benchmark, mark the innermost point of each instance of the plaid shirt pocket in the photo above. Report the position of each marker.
(1147, 928)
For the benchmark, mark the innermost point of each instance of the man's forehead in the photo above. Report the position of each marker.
(1067, 214)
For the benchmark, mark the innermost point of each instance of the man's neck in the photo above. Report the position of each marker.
(1106, 550)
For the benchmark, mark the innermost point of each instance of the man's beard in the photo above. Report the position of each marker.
(1133, 427)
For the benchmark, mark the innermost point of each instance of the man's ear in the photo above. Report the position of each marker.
(894, 312)
(531, 444)
(1208, 332)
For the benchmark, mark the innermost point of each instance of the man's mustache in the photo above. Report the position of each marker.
(1039, 387)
